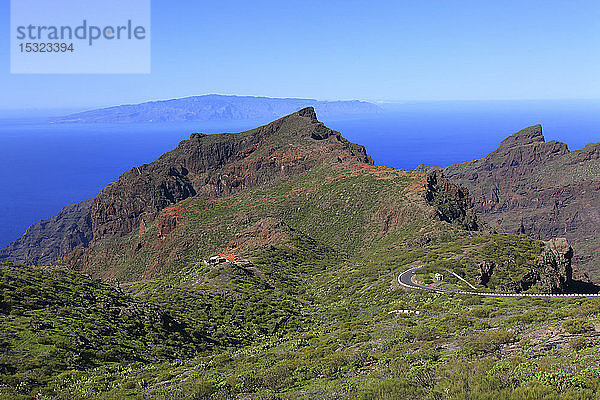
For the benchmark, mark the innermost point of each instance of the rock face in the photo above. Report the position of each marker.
(552, 272)
(49, 240)
(452, 202)
(540, 189)
(525, 137)
(204, 165)
(554, 266)
(485, 272)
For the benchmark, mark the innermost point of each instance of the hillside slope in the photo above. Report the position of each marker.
(290, 184)
(47, 241)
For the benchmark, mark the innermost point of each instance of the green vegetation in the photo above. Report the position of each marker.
(577, 326)
(339, 342)
(444, 352)
(55, 321)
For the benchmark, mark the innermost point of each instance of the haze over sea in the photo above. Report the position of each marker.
(44, 167)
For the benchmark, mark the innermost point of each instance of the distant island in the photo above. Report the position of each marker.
(214, 107)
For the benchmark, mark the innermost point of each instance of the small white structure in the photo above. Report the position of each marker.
(439, 277)
(216, 260)
(226, 258)
(404, 312)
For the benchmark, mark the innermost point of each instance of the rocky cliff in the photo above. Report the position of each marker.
(554, 266)
(552, 272)
(541, 189)
(218, 165)
(452, 203)
(49, 240)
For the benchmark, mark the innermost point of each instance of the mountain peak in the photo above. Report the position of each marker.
(208, 166)
(219, 165)
(308, 112)
(524, 137)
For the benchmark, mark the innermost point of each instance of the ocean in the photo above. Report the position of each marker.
(44, 166)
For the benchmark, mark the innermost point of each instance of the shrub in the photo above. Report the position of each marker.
(488, 342)
(481, 312)
(578, 343)
(390, 389)
(470, 300)
(576, 326)
(200, 389)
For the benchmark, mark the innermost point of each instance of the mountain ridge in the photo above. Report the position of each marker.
(214, 166)
(207, 165)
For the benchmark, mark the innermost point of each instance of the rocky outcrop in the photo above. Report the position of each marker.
(485, 272)
(527, 281)
(204, 165)
(552, 272)
(554, 267)
(49, 240)
(528, 136)
(541, 189)
(452, 202)
(492, 180)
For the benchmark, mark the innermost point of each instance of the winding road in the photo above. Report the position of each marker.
(407, 279)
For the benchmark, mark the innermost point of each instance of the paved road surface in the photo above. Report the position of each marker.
(407, 279)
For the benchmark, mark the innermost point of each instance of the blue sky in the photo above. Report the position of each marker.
(371, 50)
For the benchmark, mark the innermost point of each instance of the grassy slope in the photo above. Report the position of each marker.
(455, 348)
(54, 321)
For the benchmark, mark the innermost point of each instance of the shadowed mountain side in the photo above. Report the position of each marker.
(541, 189)
(49, 240)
